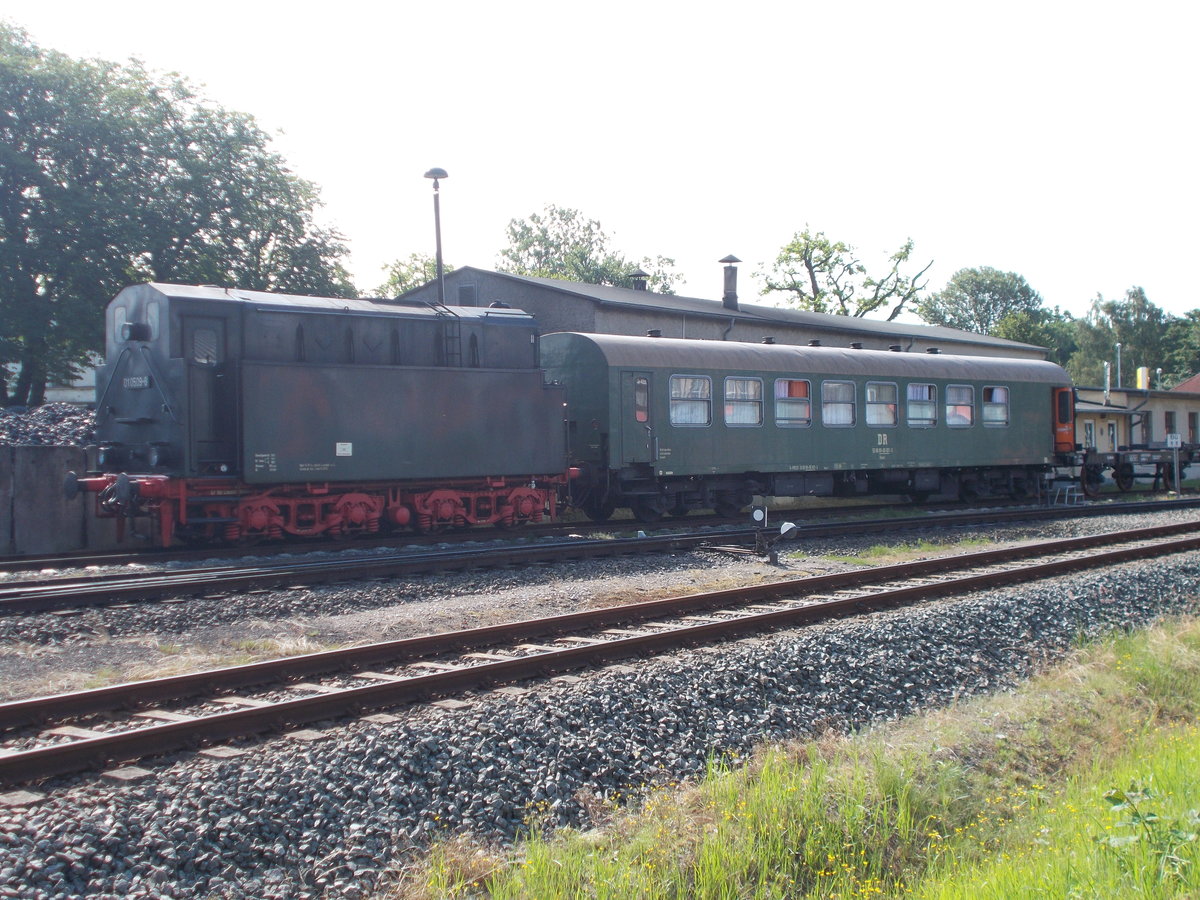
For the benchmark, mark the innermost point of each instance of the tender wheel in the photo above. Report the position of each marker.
(1123, 476)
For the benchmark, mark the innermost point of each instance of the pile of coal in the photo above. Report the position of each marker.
(54, 424)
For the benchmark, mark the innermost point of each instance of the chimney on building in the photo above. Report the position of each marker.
(639, 279)
(729, 300)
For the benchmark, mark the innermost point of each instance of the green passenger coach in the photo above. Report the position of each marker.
(664, 425)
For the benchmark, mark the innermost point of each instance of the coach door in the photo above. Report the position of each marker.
(637, 430)
(1064, 420)
(212, 406)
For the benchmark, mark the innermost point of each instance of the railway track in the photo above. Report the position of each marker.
(155, 556)
(106, 589)
(58, 735)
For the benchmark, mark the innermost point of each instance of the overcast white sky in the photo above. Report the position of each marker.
(1054, 139)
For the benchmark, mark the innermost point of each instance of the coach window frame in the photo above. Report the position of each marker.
(672, 400)
(853, 403)
(910, 420)
(970, 406)
(791, 421)
(893, 405)
(641, 399)
(728, 402)
(986, 404)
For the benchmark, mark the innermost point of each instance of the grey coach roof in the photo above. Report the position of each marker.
(681, 354)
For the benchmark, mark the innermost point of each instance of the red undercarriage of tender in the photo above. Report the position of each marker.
(227, 510)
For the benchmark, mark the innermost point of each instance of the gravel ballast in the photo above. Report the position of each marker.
(307, 819)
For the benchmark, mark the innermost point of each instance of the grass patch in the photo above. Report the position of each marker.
(1082, 784)
(888, 554)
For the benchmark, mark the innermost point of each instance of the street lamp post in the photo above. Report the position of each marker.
(437, 174)
(1118, 357)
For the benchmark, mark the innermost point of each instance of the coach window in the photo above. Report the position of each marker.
(641, 399)
(960, 405)
(743, 401)
(995, 406)
(152, 319)
(691, 400)
(881, 403)
(301, 355)
(922, 405)
(793, 404)
(837, 403)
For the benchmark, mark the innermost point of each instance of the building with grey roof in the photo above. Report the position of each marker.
(560, 305)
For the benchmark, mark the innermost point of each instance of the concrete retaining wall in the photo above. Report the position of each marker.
(35, 516)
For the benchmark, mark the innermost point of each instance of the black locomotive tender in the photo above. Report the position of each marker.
(229, 415)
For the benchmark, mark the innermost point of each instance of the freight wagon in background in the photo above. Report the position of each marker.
(235, 415)
(1125, 433)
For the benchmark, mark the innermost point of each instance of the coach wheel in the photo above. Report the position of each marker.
(1123, 476)
(1090, 479)
(680, 509)
(727, 509)
(647, 510)
(598, 511)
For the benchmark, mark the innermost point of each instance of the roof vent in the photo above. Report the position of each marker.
(856, 345)
(639, 279)
(729, 300)
(654, 332)
(934, 350)
(768, 340)
(815, 342)
(895, 348)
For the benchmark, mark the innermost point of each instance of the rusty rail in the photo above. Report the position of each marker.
(91, 752)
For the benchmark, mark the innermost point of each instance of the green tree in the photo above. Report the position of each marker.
(406, 274)
(563, 243)
(1135, 323)
(1053, 329)
(826, 276)
(109, 175)
(1183, 348)
(978, 300)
